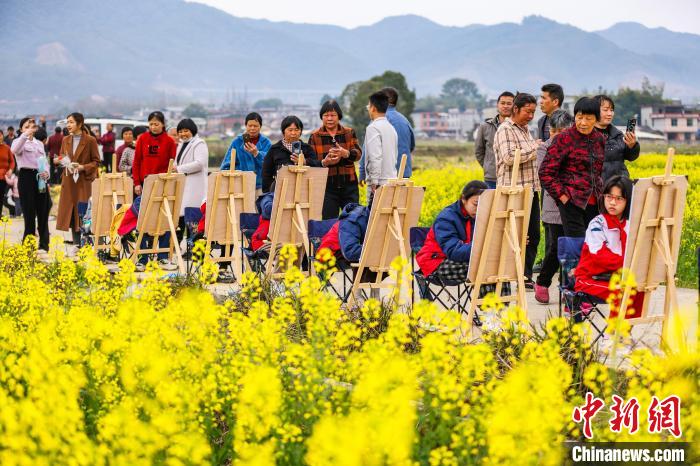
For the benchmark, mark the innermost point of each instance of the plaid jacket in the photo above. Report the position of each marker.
(322, 142)
(573, 165)
(509, 137)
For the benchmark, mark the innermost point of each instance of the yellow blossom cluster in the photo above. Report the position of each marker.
(98, 368)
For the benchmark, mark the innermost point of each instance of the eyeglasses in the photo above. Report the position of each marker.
(611, 197)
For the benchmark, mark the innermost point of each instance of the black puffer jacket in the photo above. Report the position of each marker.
(616, 152)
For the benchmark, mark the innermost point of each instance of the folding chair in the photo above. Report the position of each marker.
(317, 230)
(436, 288)
(569, 254)
(192, 217)
(257, 259)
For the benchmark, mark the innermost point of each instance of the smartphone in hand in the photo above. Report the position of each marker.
(631, 125)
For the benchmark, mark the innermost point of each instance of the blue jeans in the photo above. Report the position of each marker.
(163, 242)
(491, 184)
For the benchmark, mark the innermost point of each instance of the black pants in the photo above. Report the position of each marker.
(533, 236)
(575, 220)
(107, 161)
(338, 195)
(3, 193)
(35, 206)
(550, 263)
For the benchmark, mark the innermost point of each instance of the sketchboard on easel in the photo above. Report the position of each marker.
(500, 233)
(395, 210)
(109, 191)
(229, 193)
(159, 213)
(651, 255)
(299, 191)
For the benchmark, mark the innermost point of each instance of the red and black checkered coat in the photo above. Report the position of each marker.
(573, 165)
(322, 142)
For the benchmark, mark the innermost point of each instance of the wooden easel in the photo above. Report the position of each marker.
(160, 191)
(108, 192)
(231, 193)
(657, 233)
(506, 213)
(298, 198)
(395, 209)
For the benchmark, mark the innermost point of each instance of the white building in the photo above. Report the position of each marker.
(676, 122)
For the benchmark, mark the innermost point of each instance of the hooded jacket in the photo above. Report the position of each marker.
(352, 227)
(450, 237)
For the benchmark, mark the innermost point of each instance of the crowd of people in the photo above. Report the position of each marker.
(575, 164)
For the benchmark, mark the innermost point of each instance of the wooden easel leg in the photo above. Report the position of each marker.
(512, 233)
(671, 298)
(173, 236)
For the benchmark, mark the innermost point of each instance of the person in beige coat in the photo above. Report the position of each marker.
(79, 160)
(192, 159)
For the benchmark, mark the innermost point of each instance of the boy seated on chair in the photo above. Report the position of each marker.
(604, 247)
(445, 254)
(346, 236)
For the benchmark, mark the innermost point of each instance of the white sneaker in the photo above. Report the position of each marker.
(140, 267)
(166, 265)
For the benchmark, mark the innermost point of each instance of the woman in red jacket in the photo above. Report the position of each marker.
(571, 171)
(604, 247)
(154, 150)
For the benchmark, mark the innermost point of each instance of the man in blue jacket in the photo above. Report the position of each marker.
(404, 131)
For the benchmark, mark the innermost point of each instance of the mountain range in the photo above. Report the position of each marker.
(58, 52)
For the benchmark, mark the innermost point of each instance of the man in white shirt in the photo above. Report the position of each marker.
(381, 145)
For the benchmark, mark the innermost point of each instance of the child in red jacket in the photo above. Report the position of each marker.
(604, 247)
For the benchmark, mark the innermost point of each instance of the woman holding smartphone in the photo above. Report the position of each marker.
(251, 148)
(618, 147)
(337, 148)
(33, 181)
(80, 160)
(286, 152)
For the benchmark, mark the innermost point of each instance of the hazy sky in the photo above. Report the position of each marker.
(677, 15)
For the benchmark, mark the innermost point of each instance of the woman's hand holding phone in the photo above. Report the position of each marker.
(630, 139)
(251, 149)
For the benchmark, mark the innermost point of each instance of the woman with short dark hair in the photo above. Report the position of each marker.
(251, 148)
(286, 151)
(572, 167)
(618, 147)
(337, 148)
